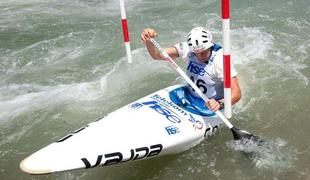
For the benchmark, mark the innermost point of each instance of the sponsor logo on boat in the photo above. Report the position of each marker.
(163, 110)
(168, 103)
(196, 124)
(172, 130)
(118, 157)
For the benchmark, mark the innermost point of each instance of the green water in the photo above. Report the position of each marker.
(63, 65)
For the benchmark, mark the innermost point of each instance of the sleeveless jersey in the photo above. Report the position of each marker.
(208, 77)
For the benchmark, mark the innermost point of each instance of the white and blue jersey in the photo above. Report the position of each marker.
(208, 77)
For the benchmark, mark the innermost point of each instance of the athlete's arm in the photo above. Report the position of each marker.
(153, 51)
(214, 105)
(235, 90)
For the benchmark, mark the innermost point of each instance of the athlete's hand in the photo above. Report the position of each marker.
(147, 34)
(213, 105)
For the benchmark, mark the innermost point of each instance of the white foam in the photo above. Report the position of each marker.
(123, 75)
(272, 154)
(249, 44)
(253, 50)
(17, 99)
(45, 96)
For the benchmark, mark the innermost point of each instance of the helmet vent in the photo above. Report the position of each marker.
(197, 42)
(189, 41)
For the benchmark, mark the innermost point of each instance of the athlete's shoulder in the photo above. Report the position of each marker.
(217, 54)
(182, 49)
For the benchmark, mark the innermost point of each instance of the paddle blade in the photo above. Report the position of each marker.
(240, 134)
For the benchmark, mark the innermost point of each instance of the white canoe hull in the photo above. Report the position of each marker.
(149, 127)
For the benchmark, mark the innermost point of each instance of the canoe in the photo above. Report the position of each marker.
(155, 125)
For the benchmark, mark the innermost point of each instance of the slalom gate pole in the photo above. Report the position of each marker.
(226, 57)
(125, 30)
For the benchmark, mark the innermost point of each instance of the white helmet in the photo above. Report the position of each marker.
(199, 39)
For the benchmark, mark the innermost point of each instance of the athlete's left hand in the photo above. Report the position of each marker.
(213, 105)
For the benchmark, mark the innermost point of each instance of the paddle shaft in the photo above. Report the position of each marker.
(189, 81)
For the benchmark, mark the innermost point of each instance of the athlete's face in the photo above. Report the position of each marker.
(203, 55)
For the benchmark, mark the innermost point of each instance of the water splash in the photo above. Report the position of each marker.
(267, 154)
(243, 41)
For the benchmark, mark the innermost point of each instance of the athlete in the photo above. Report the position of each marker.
(204, 66)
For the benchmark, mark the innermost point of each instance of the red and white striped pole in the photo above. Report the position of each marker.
(125, 30)
(226, 57)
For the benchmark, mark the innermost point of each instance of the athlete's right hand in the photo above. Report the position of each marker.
(147, 34)
(213, 105)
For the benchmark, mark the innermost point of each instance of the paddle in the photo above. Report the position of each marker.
(237, 133)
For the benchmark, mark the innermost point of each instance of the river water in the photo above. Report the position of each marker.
(63, 65)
